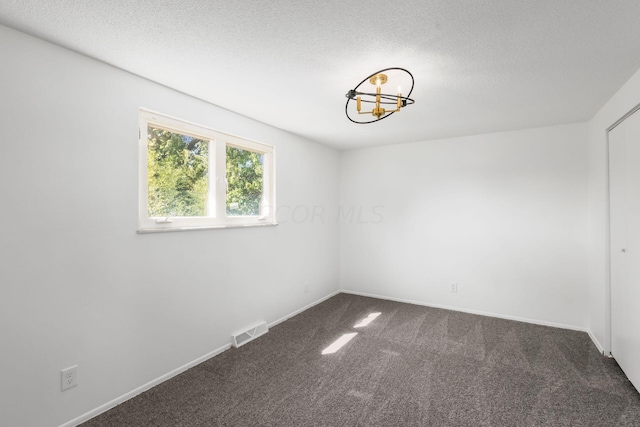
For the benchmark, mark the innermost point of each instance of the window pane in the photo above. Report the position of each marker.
(177, 171)
(244, 181)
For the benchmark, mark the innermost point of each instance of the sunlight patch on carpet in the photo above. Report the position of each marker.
(364, 322)
(339, 343)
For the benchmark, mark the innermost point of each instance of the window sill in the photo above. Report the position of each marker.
(203, 227)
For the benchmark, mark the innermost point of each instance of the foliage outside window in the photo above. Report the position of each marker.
(244, 181)
(195, 177)
(178, 178)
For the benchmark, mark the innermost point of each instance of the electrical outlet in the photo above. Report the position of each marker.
(306, 287)
(454, 287)
(69, 377)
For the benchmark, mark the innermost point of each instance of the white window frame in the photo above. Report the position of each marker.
(218, 142)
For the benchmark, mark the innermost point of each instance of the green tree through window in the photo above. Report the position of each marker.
(244, 181)
(177, 174)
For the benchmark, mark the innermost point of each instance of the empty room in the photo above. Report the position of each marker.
(298, 213)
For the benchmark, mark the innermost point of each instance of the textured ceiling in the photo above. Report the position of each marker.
(480, 65)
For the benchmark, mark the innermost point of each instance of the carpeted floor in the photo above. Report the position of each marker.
(411, 366)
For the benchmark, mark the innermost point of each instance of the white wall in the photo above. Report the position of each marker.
(79, 286)
(502, 215)
(623, 101)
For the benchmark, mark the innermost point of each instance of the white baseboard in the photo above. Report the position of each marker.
(115, 402)
(118, 400)
(464, 310)
(596, 342)
(306, 307)
(483, 313)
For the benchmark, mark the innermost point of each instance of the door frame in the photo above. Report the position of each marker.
(607, 316)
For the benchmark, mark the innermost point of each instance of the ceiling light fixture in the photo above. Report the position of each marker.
(360, 95)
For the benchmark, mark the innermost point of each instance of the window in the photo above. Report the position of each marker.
(195, 177)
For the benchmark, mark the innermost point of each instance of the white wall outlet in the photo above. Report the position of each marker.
(69, 377)
(306, 287)
(454, 287)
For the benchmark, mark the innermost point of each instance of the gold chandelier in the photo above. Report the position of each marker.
(381, 101)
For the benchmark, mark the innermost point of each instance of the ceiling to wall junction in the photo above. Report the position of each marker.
(480, 66)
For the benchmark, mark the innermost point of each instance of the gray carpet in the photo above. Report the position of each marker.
(412, 366)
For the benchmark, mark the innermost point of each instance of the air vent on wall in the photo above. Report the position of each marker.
(249, 334)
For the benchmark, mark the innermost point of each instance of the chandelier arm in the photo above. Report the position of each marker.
(386, 112)
(388, 95)
(385, 96)
(394, 99)
(346, 110)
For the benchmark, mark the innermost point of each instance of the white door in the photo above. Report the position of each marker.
(624, 199)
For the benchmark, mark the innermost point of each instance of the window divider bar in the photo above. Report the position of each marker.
(221, 179)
